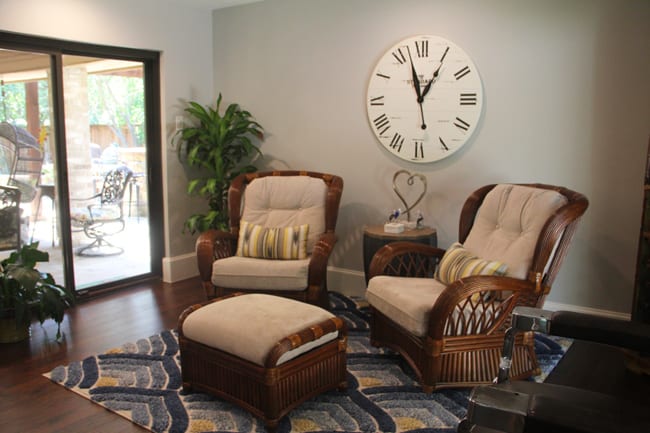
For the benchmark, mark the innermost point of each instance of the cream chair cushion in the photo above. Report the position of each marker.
(508, 224)
(282, 201)
(260, 274)
(407, 301)
(249, 326)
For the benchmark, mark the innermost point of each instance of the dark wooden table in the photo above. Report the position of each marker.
(374, 237)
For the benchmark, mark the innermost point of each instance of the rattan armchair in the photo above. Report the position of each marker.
(452, 334)
(274, 199)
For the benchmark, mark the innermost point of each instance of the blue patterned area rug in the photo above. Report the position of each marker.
(142, 382)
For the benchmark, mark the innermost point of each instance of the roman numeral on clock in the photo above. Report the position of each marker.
(378, 100)
(461, 124)
(422, 48)
(379, 74)
(396, 142)
(462, 72)
(442, 143)
(399, 56)
(468, 99)
(419, 150)
(382, 123)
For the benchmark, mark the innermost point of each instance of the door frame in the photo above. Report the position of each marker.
(56, 48)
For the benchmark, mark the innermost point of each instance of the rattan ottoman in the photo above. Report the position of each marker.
(265, 353)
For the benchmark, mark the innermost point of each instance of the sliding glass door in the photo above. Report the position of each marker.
(93, 115)
(106, 166)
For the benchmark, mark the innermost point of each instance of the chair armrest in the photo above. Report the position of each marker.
(403, 258)
(99, 194)
(581, 326)
(212, 245)
(319, 258)
(457, 296)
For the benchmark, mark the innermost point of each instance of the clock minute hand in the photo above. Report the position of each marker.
(414, 76)
(416, 84)
(435, 76)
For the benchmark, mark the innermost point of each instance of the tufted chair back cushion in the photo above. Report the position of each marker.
(508, 224)
(283, 201)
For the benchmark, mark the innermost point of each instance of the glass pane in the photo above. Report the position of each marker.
(27, 151)
(106, 164)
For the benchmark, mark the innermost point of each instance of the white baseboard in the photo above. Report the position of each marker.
(179, 268)
(346, 281)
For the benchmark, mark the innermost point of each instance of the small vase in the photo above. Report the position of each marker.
(10, 332)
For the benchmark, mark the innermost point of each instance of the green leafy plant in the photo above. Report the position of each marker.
(25, 292)
(221, 147)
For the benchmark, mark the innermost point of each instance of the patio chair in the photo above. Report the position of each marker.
(26, 160)
(103, 216)
(21, 161)
(9, 218)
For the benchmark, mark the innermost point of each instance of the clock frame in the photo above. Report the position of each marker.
(424, 98)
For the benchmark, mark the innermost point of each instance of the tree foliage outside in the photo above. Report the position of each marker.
(117, 101)
(113, 100)
(221, 147)
(12, 103)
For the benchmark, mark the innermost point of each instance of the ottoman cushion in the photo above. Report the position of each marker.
(250, 325)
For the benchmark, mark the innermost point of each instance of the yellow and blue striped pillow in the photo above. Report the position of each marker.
(458, 263)
(288, 243)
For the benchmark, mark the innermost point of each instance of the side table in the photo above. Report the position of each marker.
(374, 237)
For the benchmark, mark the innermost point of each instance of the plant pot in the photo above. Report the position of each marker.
(10, 332)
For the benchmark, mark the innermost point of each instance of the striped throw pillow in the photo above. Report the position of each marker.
(458, 263)
(288, 243)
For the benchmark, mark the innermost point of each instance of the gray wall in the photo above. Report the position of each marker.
(567, 102)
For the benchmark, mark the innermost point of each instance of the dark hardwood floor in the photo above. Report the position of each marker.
(30, 403)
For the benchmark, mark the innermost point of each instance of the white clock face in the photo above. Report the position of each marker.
(424, 98)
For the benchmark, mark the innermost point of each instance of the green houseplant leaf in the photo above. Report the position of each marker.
(25, 292)
(220, 147)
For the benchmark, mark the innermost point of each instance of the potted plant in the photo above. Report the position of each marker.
(26, 293)
(221, 146)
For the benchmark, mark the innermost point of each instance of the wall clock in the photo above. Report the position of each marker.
(424, 98)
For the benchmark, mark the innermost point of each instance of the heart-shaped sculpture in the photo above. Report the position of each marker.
(409, 181)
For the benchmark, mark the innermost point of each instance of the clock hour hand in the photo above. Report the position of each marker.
(428, 86)
(435, 76)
